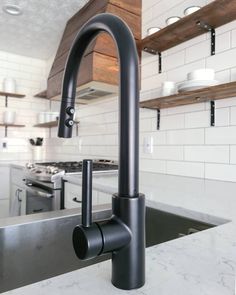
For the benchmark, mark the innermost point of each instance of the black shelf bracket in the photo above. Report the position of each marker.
(158, 119)
(6, 101)
(212, 113)
(160, 62)
(210, 29)
(154, 52)
(6, 129)
(150, 50)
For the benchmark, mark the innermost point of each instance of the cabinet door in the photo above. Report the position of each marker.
(4, 208)
(73, 196)
(17, 176)
(4, 182)
(18, 201)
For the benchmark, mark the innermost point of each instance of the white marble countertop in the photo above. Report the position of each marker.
(203, 263)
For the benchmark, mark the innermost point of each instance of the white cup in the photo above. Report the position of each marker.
(37, 153)
(168, 88)
(9, 117)
(9, 85)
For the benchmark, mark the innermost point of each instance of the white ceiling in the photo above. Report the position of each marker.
(37, 32)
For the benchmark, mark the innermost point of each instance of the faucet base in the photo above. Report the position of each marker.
(128, 263)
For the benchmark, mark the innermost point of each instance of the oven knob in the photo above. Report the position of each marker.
(55, 171)
(48, 170)
(30, 165)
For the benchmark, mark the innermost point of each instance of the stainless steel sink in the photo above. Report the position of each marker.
(163, 226)
(39, 249)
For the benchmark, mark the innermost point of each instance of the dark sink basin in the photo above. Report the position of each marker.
(163, 226)
(38, 250)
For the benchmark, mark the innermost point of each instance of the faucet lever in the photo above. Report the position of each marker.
(87, 192)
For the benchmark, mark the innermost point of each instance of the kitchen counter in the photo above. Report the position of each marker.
(203, 263)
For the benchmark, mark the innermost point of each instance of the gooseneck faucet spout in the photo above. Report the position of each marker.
(124, 234)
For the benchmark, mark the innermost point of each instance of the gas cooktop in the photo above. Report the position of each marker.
(73, 166)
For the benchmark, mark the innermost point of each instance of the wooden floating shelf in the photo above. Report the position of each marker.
(16, 95)
(49, 124)
(221, 91)
(215, 14)
(42, 94)
(12, 125)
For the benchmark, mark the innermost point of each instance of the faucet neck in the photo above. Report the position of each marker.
(128, 96)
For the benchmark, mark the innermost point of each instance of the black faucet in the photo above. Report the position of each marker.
(123, 234)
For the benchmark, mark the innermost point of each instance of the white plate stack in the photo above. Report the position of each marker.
(198, 79)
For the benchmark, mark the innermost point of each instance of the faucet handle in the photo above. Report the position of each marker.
(87, 193)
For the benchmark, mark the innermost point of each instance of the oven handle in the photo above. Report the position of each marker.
(37, 191)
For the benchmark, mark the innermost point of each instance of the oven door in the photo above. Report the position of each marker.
(38, 199)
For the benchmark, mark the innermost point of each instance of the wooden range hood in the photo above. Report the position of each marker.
(98, 75)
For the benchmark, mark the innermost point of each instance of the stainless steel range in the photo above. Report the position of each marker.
(44, 182)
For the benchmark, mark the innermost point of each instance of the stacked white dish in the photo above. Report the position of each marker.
(45, 117)
(198, 79)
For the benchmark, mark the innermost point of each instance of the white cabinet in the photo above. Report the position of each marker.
(4, 182)
(18, 195)
(73, 196)
(4, 208)
(18, 200)
(4, 191)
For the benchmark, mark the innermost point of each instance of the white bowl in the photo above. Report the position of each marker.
(191, 9)
(196, 84)
(201, 74)
(40, 118)
(9, 85)
(152, 30)
(54, 116)
(172, 20)
(9, 117)
(168, 88)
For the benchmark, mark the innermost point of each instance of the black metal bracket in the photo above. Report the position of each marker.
(160, 62)
(210, 29)
(6, 101)
(154, 52)
(212, 113)
(150, 50)
(158, 118)
(6, 129)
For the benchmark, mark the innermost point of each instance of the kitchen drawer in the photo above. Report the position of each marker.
(17, 176)
(73, 193)
(4, 182)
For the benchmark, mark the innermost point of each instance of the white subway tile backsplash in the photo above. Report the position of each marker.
(152, 165)
(222, 61)
(185, 137)
(220, 135)
(220, 172)
(233, 115)
(223, 41)
(173, 61)
(197, 119)
(185, 168)
(232, 154)
(215, 154)
(197, 51)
